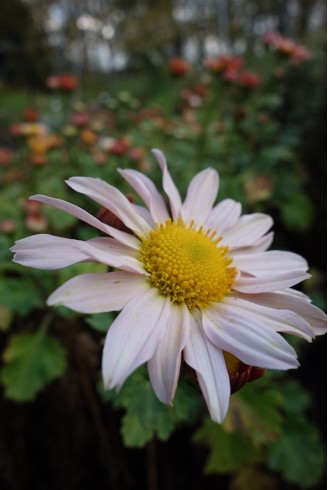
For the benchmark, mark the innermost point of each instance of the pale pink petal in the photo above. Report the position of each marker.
(261, 246)
(247, 338)
(98, 293)
(146, 189)
(268, 271)
(282, 320)
(201, 194)
(51, 252)
(95, 250)
(270, 282)
(111, 244)
(47, 252)
(211, 369)
(112, 199)
(134, 336)
(247, 231)
(168, 185)
(164, 366)
(295, 301)
(79, 213)
(223, 216)
(145, 214)
(274, 262)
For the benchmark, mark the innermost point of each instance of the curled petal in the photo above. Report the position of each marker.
(168, 185)
(210, 366)
(98, 293)
(112, 199)
(148, 193)
(164, 366)
(79, 213)
(134, 336)
(47, 252)
(50, 252)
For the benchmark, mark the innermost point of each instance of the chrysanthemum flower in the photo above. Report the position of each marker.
(191, 280)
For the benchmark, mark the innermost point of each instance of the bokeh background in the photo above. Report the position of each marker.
(90, 86)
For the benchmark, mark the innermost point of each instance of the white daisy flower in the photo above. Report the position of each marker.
(195, 280)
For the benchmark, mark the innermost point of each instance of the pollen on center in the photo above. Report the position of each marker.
(187, 264)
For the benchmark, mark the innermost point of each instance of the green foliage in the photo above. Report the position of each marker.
(298, 213)
(229, 451)
(266, 425)
(20, 296)
(31, 360)
(145, 415)
(298, 453)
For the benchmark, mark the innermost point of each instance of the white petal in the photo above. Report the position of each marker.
(164, 366)
(98, 293)
(51, 252)
(201, 195)
(168, 185)
(268, 271)
(247, 338)
(263, 264)
(79, 213)
(223, 216)
(134, 336)
(95, 250)
(211, 369)
(112, 199)
(47, 252)
(282, 320)
(262, 245)
(145, 214)
(148, 193)
(269, 282)
(247, 231)
(295, 301)
(110, 244)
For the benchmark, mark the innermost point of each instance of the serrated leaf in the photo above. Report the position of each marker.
(296, 399)
(134, 434)
(298, 454)
(229, 451)
(146, 415)
(259, 411)
(31, 360)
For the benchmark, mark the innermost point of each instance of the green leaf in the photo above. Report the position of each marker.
(298, 454)
(229, 451)
(134, 434)
(31, 360)
(259, 407)
(296, 399)
(146, 416)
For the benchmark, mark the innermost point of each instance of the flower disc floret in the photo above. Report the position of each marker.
(187, 264)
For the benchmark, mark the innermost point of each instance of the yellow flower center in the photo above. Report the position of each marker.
(187, 264)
